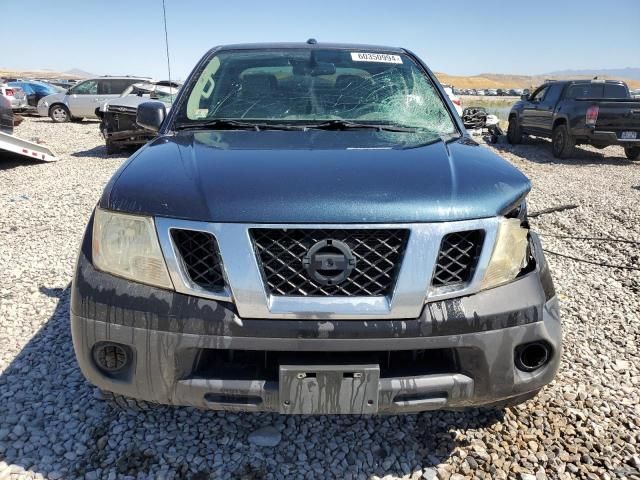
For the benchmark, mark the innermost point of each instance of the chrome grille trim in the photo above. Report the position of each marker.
(378, 255)
(245, 286)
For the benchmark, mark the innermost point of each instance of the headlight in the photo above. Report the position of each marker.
(127, 246)
(509, 253)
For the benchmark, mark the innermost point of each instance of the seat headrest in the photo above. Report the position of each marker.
(351, 82)
(258, 84)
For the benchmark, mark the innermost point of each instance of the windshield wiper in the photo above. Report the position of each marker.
(335, 124)
(349, 125)
(228, 124)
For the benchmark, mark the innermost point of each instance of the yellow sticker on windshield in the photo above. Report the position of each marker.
(375, 57)
(201, 113)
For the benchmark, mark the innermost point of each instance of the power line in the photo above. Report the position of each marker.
(594, 239)
(592, 262)
(166, 43)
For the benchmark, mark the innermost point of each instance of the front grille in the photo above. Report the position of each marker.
(377, 253)
(457, 258)
(124, 110)
(200, 258)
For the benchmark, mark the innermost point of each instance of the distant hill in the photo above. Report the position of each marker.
(482, 80)
(44, 74)
(76, 72)
(497, 80)
(628, 72)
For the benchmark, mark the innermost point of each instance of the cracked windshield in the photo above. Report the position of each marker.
(311, 86)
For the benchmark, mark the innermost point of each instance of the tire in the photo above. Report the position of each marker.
(632, 153)
(120, 402)
(514, 132)
(562, 142)
(112, 148)
(59, 113)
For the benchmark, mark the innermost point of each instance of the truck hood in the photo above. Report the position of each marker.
(314, 177)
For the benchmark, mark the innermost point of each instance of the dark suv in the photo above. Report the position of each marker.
(313, 231)
(571, 112)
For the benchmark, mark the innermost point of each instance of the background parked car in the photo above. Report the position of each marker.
(15, 96)
(454, 99)
(81, 100)
(6, 116)
(35, 91)
(118, 125)
(570, 112)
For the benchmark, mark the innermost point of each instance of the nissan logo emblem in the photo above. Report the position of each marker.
(329, 262)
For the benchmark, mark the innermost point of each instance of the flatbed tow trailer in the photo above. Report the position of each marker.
(19, 146)
(25, 148)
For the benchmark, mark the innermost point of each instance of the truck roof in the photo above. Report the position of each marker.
(586, 80)
(309, 44)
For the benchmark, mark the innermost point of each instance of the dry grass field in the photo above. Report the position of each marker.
(483, 80)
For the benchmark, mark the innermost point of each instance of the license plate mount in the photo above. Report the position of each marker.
(628, 135)
(329, 389)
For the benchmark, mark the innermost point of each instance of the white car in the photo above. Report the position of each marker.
(15, 96)
(81, 100)
(454, 99)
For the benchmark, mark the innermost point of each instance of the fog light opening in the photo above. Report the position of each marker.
(111, 357)
(532, 356)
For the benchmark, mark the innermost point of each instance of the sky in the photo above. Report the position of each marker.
(459, 37)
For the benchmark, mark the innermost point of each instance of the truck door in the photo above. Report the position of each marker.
(81, 99)
(529, 120)
(546, 107)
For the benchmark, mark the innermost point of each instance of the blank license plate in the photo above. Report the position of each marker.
(327, 389)
(628, 135)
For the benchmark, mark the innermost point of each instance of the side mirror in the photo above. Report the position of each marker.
(524, 97)
(150, 115)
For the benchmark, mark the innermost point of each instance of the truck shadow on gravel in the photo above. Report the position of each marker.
(538, 150)
(100, 151)
(53, 423)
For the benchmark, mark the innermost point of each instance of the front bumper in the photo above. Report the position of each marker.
(19, 103)
(171, 335)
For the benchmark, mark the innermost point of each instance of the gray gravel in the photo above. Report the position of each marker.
(54, 425)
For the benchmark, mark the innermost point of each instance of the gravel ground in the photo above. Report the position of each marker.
(53, 424)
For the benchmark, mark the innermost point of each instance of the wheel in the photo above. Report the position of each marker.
(632, 153)
(59, 113)
(120, 402)
(514, 132)
(562, 142)
(112, 148)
